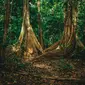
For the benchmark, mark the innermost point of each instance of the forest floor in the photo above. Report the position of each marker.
(44, 71)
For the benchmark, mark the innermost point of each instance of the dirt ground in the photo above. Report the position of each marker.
(46, 71)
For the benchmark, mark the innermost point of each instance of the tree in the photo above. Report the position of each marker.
(27, 37)
(39, 24)
(27, 41)
(6, 26)
(7, 16)
(67, 45)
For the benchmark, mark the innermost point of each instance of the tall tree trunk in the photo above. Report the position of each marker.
(69, 41)
(6, 25)
(39, 25)
(21, 36)
(27, 37)
(69, 28)
(7, 16)
(32, 46)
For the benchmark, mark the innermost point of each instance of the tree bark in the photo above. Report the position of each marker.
(39, 25)
(27, 38)
(7, 16)
(6, 26)
(66, 46)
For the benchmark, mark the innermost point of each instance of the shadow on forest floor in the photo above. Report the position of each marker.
(43, 71)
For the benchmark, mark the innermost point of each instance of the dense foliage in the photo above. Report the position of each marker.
(52, 19)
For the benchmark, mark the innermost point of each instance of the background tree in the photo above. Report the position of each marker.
(39, 24)
(66, 46)
(6, 26)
